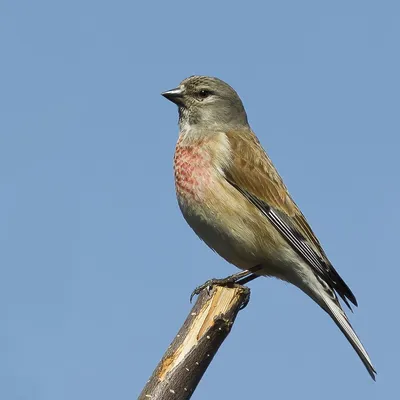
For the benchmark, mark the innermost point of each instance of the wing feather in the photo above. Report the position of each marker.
(252, 173)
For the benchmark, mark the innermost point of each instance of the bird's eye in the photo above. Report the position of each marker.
(203, 93)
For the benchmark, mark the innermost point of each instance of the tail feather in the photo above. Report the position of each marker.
(333, 308)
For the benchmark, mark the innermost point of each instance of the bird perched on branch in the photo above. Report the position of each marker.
(234, 199)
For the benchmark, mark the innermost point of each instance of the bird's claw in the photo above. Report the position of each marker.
(246, 299)
(210, 284)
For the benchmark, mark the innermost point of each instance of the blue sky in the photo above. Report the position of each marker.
(96, 262)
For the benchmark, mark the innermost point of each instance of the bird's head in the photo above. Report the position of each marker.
(208, 103)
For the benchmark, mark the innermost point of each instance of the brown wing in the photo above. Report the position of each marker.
(253, 174)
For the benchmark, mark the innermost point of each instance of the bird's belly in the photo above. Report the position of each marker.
(233, 227)
(221, 240)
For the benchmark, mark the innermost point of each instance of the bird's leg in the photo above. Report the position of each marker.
(247, 279)
(240, 278)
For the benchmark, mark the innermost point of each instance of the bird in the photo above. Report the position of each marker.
(234, 199)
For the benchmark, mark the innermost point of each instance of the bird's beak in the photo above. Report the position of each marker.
(174, 95)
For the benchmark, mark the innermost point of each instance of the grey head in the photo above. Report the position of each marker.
(208, 103)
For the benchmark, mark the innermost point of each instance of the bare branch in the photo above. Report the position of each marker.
(190, 353)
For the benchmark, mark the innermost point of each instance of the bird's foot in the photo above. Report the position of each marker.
(240, 278)
(229, 281)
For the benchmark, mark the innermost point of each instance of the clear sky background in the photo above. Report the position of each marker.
(96, 262)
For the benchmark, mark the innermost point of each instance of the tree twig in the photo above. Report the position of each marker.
(190, 353)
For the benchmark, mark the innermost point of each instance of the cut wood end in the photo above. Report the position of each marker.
(220, 301)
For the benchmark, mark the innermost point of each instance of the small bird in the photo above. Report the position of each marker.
(233, 198)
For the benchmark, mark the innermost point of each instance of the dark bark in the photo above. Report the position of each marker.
(192, 350)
